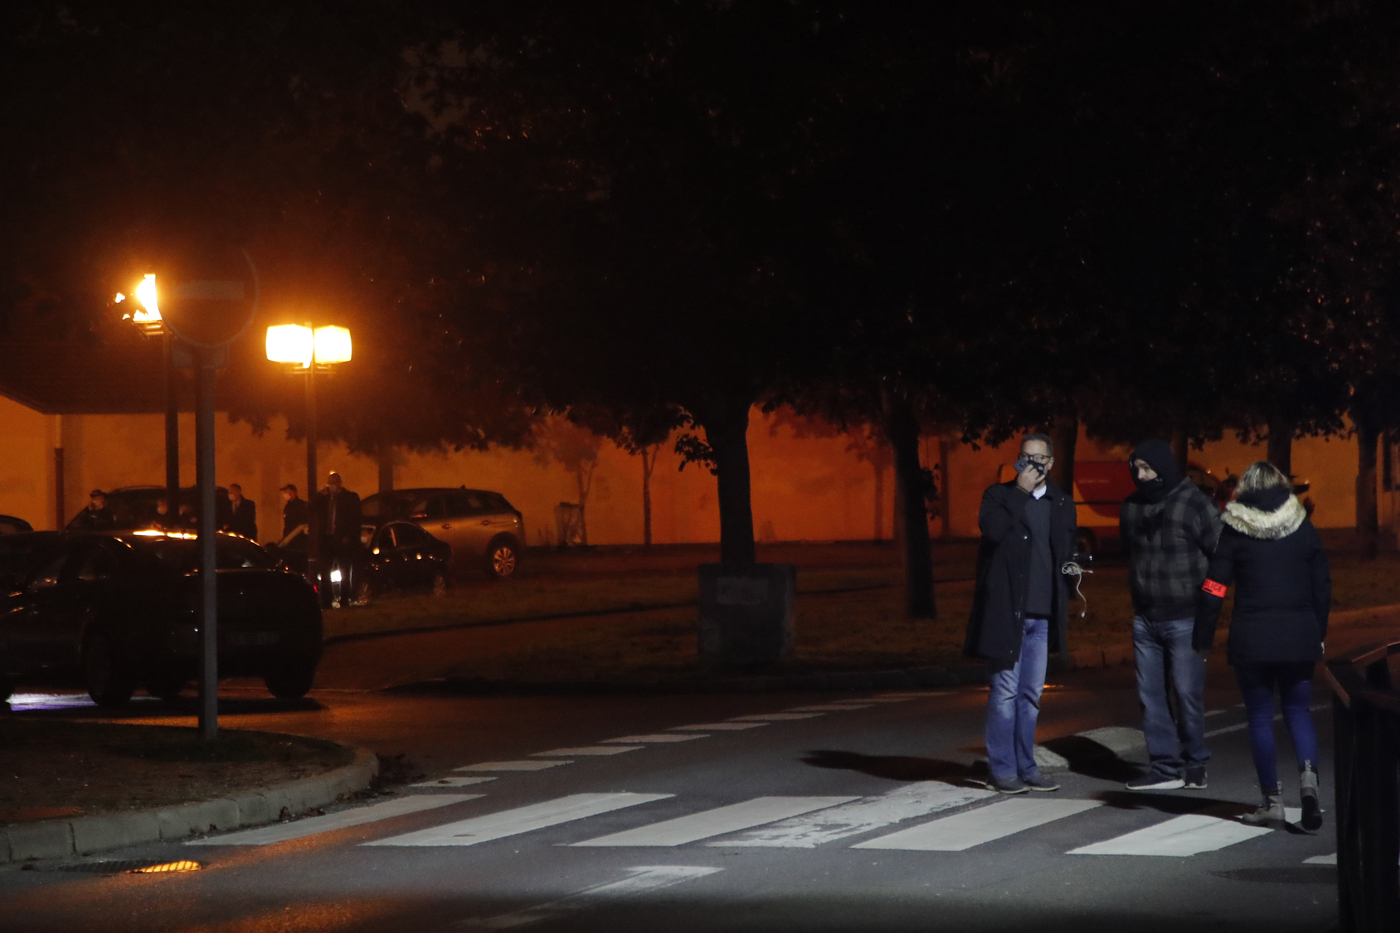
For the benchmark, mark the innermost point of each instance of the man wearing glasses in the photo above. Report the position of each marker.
(1020, 610)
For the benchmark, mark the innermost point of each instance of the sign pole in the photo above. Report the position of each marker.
(208, 531)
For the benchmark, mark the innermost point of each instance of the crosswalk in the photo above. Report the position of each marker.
(925, 816)
(918, 817)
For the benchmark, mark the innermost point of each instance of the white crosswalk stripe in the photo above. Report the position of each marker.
(718, 727)
(976, 827)
(512, 765)
(1190, 834)
(828, 708)
(282, 832)
(513, 822)
(775, 717)
(716, 822)
(639, 881)
(586, 751)
(656, 737)
(454, 782)
(860, 816)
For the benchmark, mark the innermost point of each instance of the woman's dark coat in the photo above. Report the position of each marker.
(1003, 564)
(1283, 591)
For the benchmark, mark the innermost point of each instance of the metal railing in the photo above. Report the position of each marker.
(1366, 744)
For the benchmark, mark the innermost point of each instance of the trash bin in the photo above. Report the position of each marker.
(747, 613)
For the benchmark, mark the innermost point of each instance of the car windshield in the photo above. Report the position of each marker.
(229, 553)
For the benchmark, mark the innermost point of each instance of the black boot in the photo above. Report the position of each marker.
(1312, 811)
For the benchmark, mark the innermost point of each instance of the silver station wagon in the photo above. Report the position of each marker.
(482, 527)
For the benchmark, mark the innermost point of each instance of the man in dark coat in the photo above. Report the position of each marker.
(1021, 608)
(336, 518)
(96, 517)
(295, 512)
(1169, 529)
(242, 514)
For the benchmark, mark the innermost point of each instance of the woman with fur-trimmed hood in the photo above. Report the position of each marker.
(1270, 551)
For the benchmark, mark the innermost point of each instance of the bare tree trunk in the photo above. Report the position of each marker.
(879, 501)
(584, 478)
(1367, 514)
(945, 493)
(911, 518)
(648, 464)
(1179, 450)
(1280, 452)
(386, 468)
(727, 433)
(1064, 431)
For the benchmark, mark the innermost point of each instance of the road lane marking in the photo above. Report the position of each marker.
(282, 832)
(716, 822)
(912, 694)
(454, 782)
(775, 717)
(512, 765)
(586, 750)
(860, 816)
(1215, 712)
(1321, 860)
(1178, 837)
(718, 727)
(1244, 725)
(828, 708)
(519, 820)
(640, 880)
(889, 699)
(657, 737)
(964, 830)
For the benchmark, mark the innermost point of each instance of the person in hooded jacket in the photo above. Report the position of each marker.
(1168, 528)
(1020, 610)
(1283, 593)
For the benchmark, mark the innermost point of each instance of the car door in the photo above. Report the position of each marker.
(474, 522)
(412, 546)
(447, 521)
(27, 629)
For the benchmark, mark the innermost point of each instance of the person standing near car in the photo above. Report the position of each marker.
(242, 514)
(1283, 594)
(336, 517)
(1168, 528)
(96, 516)
(295, 510)
(1021, 608)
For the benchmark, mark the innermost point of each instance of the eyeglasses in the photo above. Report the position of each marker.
(1040, 459)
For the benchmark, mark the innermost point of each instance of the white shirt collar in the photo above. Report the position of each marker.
(1039, 492)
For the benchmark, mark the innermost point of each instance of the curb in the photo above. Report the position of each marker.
(902, 678)
(63, 838)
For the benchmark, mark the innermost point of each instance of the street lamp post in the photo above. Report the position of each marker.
(148, 319)
(304, 348)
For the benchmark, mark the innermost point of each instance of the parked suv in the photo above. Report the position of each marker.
(481, 526)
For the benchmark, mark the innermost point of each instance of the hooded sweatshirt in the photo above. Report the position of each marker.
(1168, 528)
(1271, 552)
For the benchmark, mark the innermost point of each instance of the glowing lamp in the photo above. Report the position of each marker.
(147, 317)
(332, 345)
(290, 343)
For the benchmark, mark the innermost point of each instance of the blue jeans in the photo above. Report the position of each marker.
(1163, 654)
(1014, 705)
(1294, 683)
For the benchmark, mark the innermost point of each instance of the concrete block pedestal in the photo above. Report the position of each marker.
(747, 614)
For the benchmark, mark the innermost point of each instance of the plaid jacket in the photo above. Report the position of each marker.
(1170, 544)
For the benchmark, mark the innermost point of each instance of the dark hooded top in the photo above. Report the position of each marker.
(1168, 530)
(1004, 562)
(1271, 553)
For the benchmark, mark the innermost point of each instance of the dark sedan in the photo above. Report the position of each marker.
(116, 611)
(396, 556)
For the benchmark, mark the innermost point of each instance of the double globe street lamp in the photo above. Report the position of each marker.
(303, 348)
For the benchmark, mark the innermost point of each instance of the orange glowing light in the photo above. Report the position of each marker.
(302, 346)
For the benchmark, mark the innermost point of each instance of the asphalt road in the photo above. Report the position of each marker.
(866, 817)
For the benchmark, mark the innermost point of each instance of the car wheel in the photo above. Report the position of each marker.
(109, 682)
(166, 689)
(501, 559)
(440, 583)
(291, 680)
